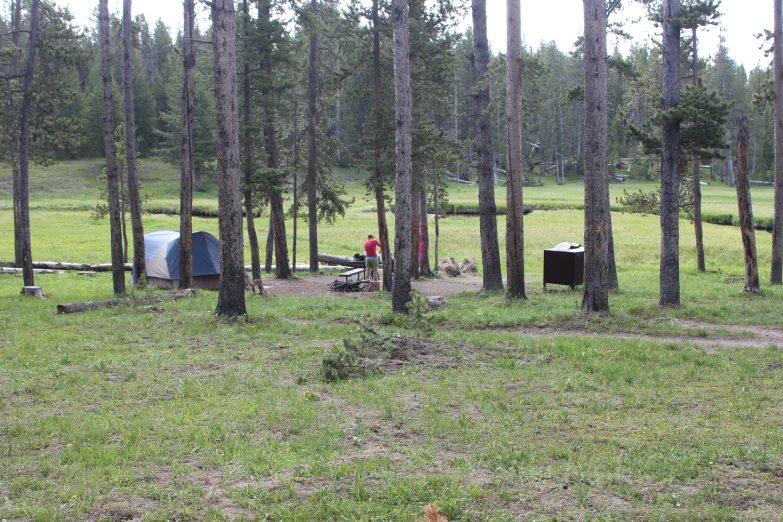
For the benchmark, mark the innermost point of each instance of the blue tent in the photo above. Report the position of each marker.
(161, 253)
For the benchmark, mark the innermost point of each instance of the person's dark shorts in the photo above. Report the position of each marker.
(371, 262)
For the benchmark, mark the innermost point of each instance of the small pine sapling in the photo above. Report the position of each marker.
(431, 515)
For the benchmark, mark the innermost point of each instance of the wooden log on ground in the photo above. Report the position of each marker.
(4, 270)
(71, 308)
(33, 291)
(57, 265)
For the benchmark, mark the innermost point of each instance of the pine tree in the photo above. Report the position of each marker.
(776, 269)
(186, 147)
(698, 13)
(134, 196)
(490, 253)
(113, 193)
(595, 297)
(515, 246)
(670, 156)
(231, 298)
(402, 89)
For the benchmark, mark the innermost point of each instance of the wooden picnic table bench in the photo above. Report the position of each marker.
(351, 273)
(348, 284)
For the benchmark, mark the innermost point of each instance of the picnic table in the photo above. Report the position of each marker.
(349, 284)
(350, 274)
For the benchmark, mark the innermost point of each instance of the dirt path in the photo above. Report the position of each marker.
(718, 336)
(318, 286)
(707, 335)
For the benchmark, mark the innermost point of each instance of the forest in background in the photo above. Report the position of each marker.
(445, 119)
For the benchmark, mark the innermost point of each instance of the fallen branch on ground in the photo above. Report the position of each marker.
(72, 308)
(35, 271)
(56, 265)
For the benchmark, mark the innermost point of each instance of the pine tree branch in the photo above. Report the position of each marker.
(611, 6)
(9, 33)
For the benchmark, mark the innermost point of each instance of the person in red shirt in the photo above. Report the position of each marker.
(371, 259)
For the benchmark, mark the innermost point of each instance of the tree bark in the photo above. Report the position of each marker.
(115, 226)
(697, 221)
(595, 296)
(378, 181)
(13, 139)
(247, 168)
(186, 149)
(515, 244)
(401, 288)
(746, 209)
(24, 150)
(231, 299)
(282, 270)
(416, 181)
(296, 182)
(270, 244)
(134, 197)
(312, 164)
(492, 277)
(776, 271)
(425, 269)
(670, 159)
(614, 284)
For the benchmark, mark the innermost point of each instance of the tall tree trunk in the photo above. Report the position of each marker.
(776, 271)
(378, 182)
(595, 296)
(123, 215)
(13, 139)
(296, 181)
(415, 13)
(730, 180)
(24, 150)
(515, 244)
(115, 226)
(746, 209)
(282, 268)
(312, 164)
(437, 219)
(425, 270)
(415, 216)
(282, 271)
(247, 152)
(613, 282)
(401, 288)
(231, 299)
(186, 149)
(134, 197)
(697, 225)
(488, 222)
(670, 159)
(270, 244)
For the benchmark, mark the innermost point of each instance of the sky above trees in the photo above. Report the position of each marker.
(558, 20)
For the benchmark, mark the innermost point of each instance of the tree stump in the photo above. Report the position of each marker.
(34, 291)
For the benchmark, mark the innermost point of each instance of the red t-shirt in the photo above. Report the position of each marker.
(369, 247)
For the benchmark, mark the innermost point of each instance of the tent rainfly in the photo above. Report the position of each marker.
(161, 252)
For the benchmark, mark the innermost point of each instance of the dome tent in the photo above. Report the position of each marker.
(161, 253)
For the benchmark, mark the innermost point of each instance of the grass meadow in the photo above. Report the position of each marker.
(501, 411)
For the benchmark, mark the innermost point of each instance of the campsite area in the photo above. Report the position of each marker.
(493, 410)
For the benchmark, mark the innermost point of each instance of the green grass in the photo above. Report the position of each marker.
(119, 412)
